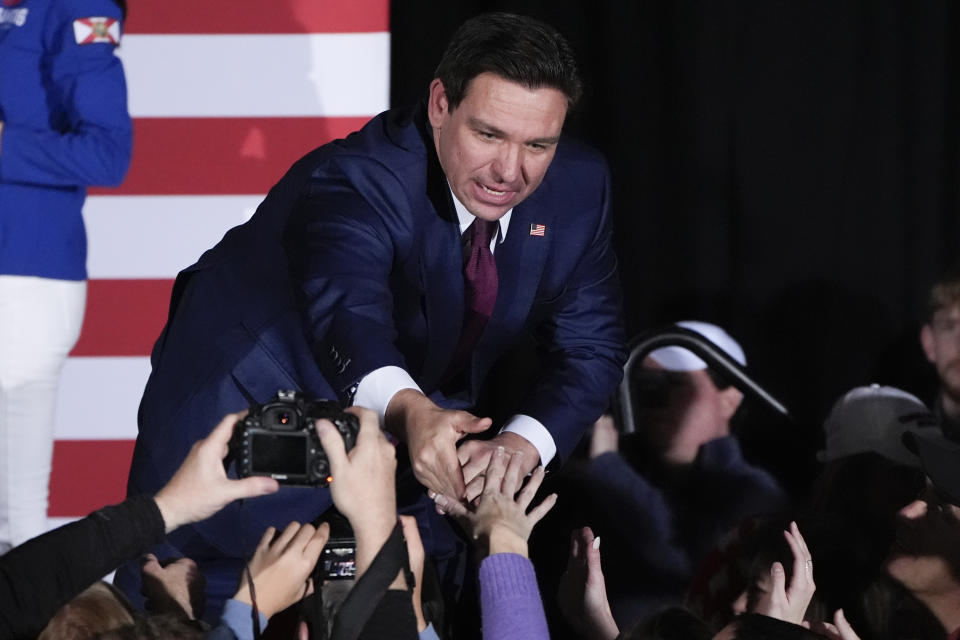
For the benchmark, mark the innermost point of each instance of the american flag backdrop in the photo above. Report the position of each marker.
(225, 96)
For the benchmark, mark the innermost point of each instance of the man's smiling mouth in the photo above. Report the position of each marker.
(492, 191)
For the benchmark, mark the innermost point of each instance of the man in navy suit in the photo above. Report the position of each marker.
(366, 276)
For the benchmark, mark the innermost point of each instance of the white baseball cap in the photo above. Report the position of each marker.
(681, 359)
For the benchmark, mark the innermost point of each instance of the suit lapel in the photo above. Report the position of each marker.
(441, 273)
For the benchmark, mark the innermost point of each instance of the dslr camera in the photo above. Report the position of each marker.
(277, 439)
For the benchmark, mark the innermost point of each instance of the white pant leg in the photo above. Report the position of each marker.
(40, 321)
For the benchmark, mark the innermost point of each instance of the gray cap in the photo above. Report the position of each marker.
(874, 419)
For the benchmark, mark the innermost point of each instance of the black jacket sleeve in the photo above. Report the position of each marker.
(393, 619)
(44, 573)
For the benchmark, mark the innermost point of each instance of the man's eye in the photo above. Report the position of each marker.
(486, 135)
(538, 146)
(947, 326)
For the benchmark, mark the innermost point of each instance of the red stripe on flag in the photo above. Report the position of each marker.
(78, 487)
(123, 317)
(277, 16)
(214, 156)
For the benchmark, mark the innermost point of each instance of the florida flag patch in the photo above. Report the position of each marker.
(93, 30)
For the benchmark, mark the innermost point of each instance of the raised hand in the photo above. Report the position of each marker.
(417, 556)
(363, 486)
(281, 566)
(604, 438)
(583, 592)
(200, 487)
(839, 630)
(501, 522)
(176, 587)
(474, 456)
(790, 604)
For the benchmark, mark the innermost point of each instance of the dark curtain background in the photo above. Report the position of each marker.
(785, 169)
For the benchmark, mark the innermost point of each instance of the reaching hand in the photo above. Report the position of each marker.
(363, 486)
(790, 604)
(281, 567)
(175, 587)
(604, 438)
(200, 487)
(431, 434)
(474, 456)
(583, 592)
(417, 556)
(839, 630)
(501, 521)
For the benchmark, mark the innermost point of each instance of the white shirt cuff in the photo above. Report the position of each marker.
(378, 387)
(535, 433)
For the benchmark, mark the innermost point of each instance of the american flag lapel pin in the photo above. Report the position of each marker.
(538, 229)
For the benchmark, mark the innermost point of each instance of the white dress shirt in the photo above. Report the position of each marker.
(378, 387)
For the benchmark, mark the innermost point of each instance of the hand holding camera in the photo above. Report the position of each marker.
(363, 481)
(200, 487)
(278, 439)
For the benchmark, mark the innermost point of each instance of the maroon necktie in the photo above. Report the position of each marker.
(480, 285)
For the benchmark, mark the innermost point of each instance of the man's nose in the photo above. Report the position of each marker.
(914, 510)
(509, 164)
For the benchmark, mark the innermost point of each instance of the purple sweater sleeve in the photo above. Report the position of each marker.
(510, 599)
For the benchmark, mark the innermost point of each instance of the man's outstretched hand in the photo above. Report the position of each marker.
(200, 487)
(432, 434)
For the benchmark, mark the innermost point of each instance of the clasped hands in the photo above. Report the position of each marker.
(432, 435)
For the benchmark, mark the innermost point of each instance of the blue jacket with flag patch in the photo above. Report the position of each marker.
(63, 105)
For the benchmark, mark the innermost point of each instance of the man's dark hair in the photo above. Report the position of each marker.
(945, 292)
(516, 48)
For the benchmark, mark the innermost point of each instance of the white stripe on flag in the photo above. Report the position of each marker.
(326, 74)
(157, 236)
(99, 397)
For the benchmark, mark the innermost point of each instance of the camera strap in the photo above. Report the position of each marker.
(371, 587)
(254, 611)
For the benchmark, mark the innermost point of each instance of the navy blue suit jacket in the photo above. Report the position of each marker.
(353, 262)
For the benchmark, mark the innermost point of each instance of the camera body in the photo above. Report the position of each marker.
(278, 439)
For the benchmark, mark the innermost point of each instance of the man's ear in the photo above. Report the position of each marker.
(926, 341)
(730, 399)
(437, 104)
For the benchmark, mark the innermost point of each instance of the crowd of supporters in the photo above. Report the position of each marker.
(698, 542)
